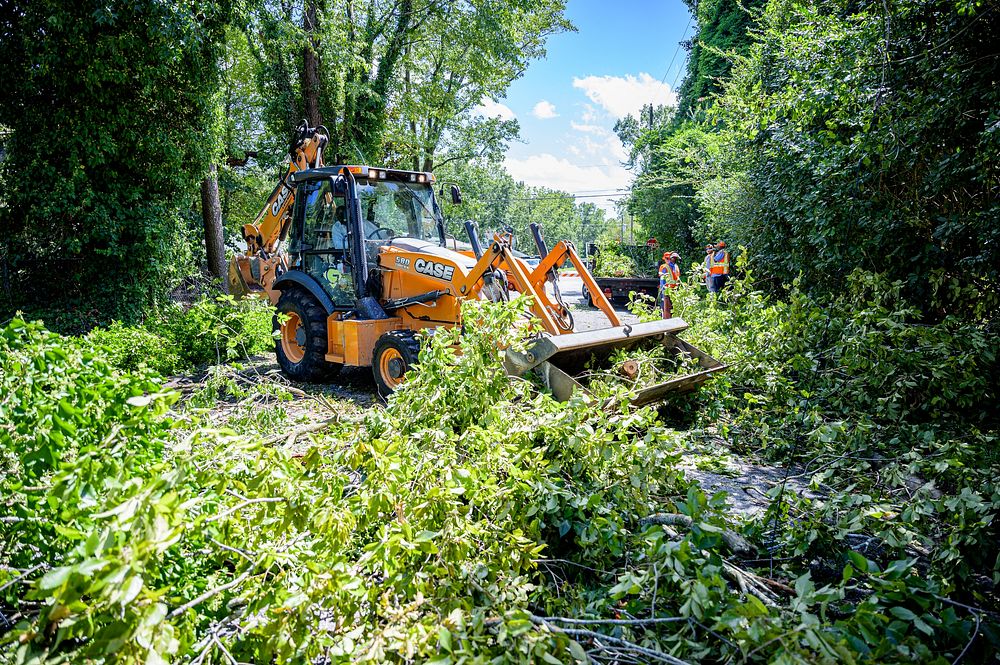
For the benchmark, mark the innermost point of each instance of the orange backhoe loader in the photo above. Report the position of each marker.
(357, 261)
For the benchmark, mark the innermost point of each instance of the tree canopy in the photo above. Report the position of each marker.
(107, 104)
(837, 135)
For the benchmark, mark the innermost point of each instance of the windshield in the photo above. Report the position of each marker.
(394, 209)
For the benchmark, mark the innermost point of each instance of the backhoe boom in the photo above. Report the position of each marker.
(255, 271)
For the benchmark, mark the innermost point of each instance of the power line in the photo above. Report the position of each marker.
(677, 50)
(586, 193)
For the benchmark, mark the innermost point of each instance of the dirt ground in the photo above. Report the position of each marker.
(255, 397)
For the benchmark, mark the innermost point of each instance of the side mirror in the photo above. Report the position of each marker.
(456, 195)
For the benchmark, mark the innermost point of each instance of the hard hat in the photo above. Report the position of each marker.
(721, 244)
(708, 247)
(675, 255)
(666, 255)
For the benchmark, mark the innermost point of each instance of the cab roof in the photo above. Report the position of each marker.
(369, 172)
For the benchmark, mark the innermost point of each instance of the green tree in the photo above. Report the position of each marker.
(662, 200)
(107, 103)
(723, 32)
(397, 81)
(865, 134)
(495, 201)
(470, 51)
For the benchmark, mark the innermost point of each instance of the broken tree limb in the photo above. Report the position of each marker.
(734, 541)
(290, 437)
(750, 584)
(650, 654)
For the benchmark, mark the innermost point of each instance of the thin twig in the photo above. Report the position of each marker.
(21, 576)
(234, 550)
(975, 634)
(569, 563)
(291, 436)
(656, 581)
(211, 593)
(241, 506)
(616, 622)
(579, 632)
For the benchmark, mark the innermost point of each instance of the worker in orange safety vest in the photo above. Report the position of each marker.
(719, 267)
(709, 260)
(670, 277)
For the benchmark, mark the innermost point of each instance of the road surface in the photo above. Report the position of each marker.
(585, 317)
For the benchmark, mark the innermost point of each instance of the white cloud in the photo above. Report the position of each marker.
(544, 110)
(546, 170)
(492, 109)
(621, 96)
(598, 142)
(588, 129)
(607, 149)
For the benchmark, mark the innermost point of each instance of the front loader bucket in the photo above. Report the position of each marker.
(564, 361)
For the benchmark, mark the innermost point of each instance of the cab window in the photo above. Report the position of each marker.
(396, 209)
(321, 245)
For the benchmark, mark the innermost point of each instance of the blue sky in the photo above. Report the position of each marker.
(567, 104)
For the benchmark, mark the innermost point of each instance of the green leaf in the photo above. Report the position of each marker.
(578, 652)
(860, 562)
(140, 400)
(54, 578)
(444, 638)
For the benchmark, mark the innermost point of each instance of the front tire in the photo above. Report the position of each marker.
(395, 354)
(301, 345)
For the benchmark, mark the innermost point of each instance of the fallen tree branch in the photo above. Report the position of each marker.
(650, 654)
(290, 437)
(211, 593)
(734, 541)
(244, 504)
(616, 622)
(21, 577)
(750, 584)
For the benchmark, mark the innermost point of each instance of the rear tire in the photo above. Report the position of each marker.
(395, 354)
(587, 298)
(301, 345)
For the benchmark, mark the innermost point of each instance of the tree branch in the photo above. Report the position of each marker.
(734, 541)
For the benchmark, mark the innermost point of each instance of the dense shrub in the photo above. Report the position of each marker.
(898, 420)
(832, 145)
(845, 151)
(129, 347)
(73, 431)
(475, 518)
(182, 338)
(108, 103)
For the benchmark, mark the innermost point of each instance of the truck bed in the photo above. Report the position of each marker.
(621, 287)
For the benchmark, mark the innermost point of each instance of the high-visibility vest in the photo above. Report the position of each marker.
(671, 277)
(720, 266)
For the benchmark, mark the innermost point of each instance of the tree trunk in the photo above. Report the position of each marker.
(310, 65)
(211, 217)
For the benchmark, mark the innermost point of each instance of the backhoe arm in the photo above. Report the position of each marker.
(272, 222)
(562, 251)
(256, 270)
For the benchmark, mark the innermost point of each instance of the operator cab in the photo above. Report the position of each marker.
(329, 244)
